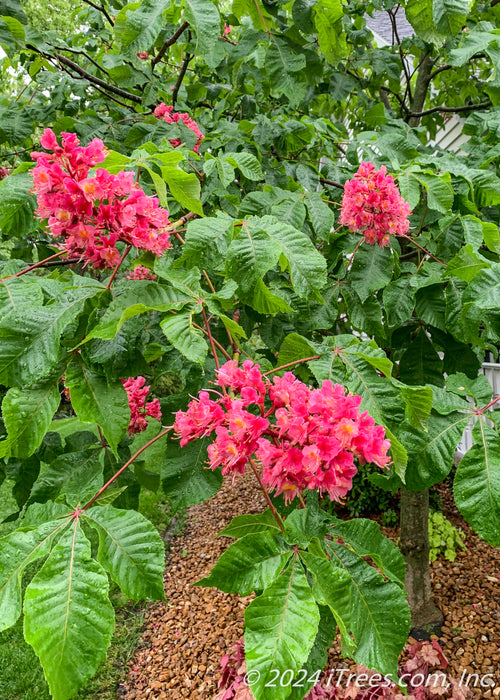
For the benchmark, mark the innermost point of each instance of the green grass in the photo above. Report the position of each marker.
(21, 676)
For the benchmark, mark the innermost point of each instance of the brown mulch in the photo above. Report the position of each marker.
(185, 637)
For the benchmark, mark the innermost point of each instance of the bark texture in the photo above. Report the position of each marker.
(426, 618)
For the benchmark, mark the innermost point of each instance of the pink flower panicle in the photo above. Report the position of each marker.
(142, 55)
(141, 273)
(168, 115)
(372, 204)
(139, 409)
(92, 214)
(227, 29)
(307, 439)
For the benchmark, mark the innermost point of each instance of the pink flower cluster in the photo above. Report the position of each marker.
(93, 213)
(372, 204)
(306, 439)
(168, 115)
(141, 273)
(139, 409)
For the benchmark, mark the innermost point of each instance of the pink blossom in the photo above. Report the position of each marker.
(139, 409)
(167, 114)
(306, 439)
(93, 213)
(373, 205)
(141, 273)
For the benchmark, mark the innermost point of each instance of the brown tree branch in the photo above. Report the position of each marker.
(332, 183)
(181, 78)
(452, 110)
(169, 43)
(100, 8)
(94, 79)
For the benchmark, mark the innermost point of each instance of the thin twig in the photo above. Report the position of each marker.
(452, 110)
(168, 43)
(325, 181)
(38, 264)
(100, 8)
(291, 364)
(113, 274)
(221, 347)
(178, 84)
(210, 338)
(122, 469)
(266, 494)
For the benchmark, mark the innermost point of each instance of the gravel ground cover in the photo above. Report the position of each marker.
(185, 637)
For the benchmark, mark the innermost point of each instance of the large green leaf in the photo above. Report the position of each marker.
(420, 364)
(283, 66)
(13, 8)
(331, 37)
(17, 550)
(185, 477)
(484, 290)
(187, 339)
(17, 205)
(203, 16)
(250, 564)
(68, 619)
(450, 15)
(207, 240)
(27, 414)
(185, 187)
(138, 24)
(430, 454)
(251, 254)
(246, 163)
(131, 551)
(371, 269)
(477, 483)
(29, 337)
(243, 525)
(96, 400)
(419, 15)
(332, 587)
(77, 475)
(379, 614)
(19, 291)
(399, 300)
(366, 539)
(466, 264)
(280, 628)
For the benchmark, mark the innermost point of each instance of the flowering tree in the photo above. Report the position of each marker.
(242, 286)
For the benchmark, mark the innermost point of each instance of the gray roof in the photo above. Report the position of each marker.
(381, 24)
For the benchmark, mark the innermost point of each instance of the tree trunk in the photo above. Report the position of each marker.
(426, 618)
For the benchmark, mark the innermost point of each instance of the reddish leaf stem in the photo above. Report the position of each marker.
(113, 274)
(209, 333)
(480, 411)
(38, 264)
(291, 364)
(412, 240)
(122, 469)
(266, 494)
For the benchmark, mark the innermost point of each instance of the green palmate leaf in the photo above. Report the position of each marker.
(13, 8)
(408, 184)
(264, 301)
(420, 16)
(365, 538)
(69, 620)
(484, 290)
(430, 305)
(243, 525)
(250, 564)
(138, 24)
(295, 347)
(304, 525)
(331, 37)
(77, 475)
(438, 189)
(204, 17)
(399, 300)
(283, 65)
(12, 35)
(144, 296)
(479, 388)
(291, 211)
(185, 187)
(27, 414)
(379, 614)
(207, 241)
(187, 339)
(246, 163)
(332, 587)
(96, 400)
(185, 477)
(17, 550)
(430, 454)
(371, 269)
(491, 235)
(251, 254)
(17, 205)
(418, 402)
(280, 628)
(131, 551)
(477, 483)
(19, 291)
(450, 15)
(320, 214)
(466, 264)
(29, 337)
(420, 363)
